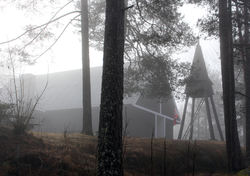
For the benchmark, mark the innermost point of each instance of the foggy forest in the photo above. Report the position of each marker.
(125, 88)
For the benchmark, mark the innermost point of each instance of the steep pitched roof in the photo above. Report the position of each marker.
(199, 84)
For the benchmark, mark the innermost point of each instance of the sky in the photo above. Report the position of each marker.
(66, 54)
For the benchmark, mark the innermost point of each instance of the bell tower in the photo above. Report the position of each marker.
(199, 86)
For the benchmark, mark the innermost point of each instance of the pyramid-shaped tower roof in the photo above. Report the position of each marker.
(198, 84)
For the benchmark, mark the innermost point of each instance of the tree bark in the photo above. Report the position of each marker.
(86, 86)
(110, 125)
(227, 67)
(247, 80)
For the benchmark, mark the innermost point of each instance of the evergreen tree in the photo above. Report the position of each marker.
(227, 67)
(110, 124)
(86, 87)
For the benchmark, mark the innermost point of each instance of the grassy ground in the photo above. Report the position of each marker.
(74, 154)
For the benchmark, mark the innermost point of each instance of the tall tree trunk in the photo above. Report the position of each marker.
(110, 125)
(227, 67)
(86, 87)
(247, 80)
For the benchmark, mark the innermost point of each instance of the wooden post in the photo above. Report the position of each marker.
(156, 125)
(198, 126)
(216, 119)
(192, 120)
(209, 119)
(183, 118)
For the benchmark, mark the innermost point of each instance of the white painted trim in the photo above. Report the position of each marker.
(152, 112)
(164, 121)
(160, 106)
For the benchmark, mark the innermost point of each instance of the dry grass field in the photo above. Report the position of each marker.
(75, 154)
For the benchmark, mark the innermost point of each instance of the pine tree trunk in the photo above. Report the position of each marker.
(227, 67)
(247, 82)
(110, 125)
(86, 87)
(247, 104)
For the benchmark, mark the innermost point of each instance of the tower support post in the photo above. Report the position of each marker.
(216, 118)
(192, 120)
(210, 124)
(183, 118)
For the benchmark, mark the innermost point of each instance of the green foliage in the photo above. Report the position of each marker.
(243, 172)
(161, 24)
(203, 2)
(96, 23)
(156, 77)
(5, 109)
(9, 117)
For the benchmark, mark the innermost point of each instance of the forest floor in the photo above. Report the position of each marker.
(40, 154)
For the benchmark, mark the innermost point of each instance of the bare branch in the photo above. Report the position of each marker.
(129, 7)
(14, 82)
(37, 27)
(42, 30)
(140, 13)
(36, 102)
(64, 29)
(242, 94)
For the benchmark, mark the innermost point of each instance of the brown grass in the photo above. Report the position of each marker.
(75, 154)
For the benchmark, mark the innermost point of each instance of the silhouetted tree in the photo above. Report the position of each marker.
(227, 67)
(110, 125)
(246, 67)
(86, 87)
